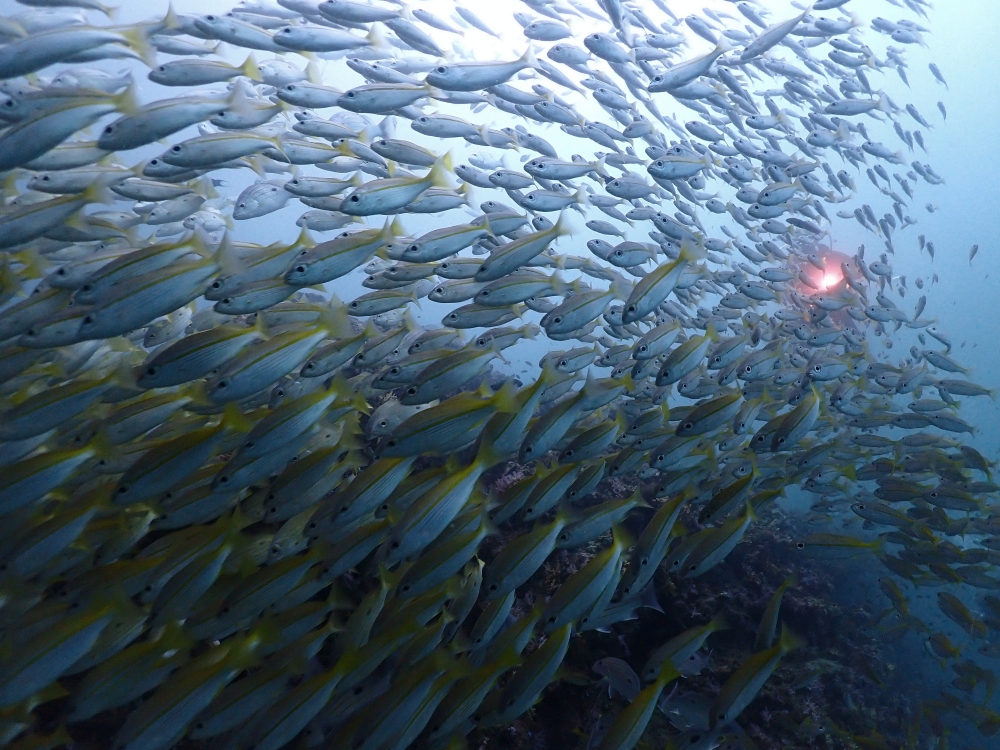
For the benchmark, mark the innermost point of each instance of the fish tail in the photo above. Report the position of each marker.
(620, 288)
(599, 168)
(718, 623)
(488, 454)
(335, 320)
(622, 537)
(260, 326)
(528, 59)
(505, 399)
(233, 419)
(99, 192)
(789, 641)
(561, 226)
(376, 37)
(249, 68)
(722, 47)
(668, 673)
(127, 102)
(138, 39)
(438, 176)
(226, 257)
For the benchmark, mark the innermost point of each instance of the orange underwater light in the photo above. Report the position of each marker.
(830, 279)
(816, 280)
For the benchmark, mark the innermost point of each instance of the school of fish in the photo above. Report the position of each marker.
(243, 502)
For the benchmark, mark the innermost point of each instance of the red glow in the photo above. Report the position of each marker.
(822, 280)
(830, 279)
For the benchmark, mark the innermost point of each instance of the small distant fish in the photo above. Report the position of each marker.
(621, 677)
(936, 72)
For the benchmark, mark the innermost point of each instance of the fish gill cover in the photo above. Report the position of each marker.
(261, 490)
